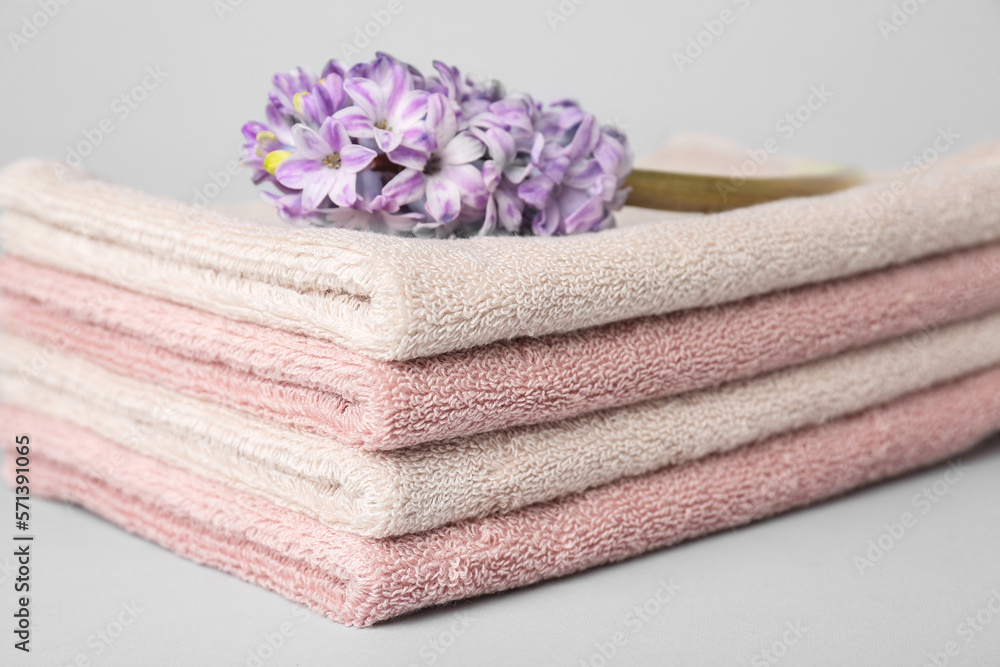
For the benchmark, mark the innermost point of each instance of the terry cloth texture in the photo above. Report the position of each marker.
(360, 581)
(399, 298)
(413, 489)
(320, 386)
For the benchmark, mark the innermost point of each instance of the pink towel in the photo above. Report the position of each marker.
(315, 384)
(360, 581)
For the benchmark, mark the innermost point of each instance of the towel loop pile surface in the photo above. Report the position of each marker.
(369, 425)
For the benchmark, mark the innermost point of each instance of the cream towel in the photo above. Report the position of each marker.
(395, 298)
(418, 488)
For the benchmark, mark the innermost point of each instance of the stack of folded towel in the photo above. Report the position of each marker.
(369, 424)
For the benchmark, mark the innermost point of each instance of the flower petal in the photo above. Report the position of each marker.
(343, 190)
(333, 66)
(610, 153)
(330, 93)
(585, 218)
(334, 134)
(354, 158)
(252, 129)
(584, 140)
(463, 149)
(499, 144)
(515, 111)
(405, 187)
(279, 124)
(368, 95)
(295, 172)
(546, 222)
(387, 140)
(382, 203)
(517, 171)
(607, 186)
(309, 143)
(450, 77)
(308, 107)
(318, 187)
(441, 121)
(491, 175)
(555, 168)
(470, 184)
(584, 174)
(537, 146)
(411, 108)
(411, 158)
(266, 142)
(510, 209)
(485, 120)
(536, 191)
(443, 199)
(398, 83)
(418, 139)
(490, 221)
(356, 121)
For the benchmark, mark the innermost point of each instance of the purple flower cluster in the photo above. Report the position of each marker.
(379, 146)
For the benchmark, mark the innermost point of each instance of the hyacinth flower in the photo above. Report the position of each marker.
(448, 180)
(379, 146)
(324, 165)
(393, 117)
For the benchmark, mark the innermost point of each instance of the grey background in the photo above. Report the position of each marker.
(891, 95)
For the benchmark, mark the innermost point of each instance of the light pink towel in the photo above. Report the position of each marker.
(360, 581)
(317, 385)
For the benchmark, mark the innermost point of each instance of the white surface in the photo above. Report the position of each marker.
(738, 590)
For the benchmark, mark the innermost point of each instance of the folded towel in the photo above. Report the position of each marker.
(318, 385)
(398, 298)
(360, 581)
(418, 488)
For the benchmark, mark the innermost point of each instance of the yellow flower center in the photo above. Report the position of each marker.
(332, 161)
(383, 125)
(274, 160)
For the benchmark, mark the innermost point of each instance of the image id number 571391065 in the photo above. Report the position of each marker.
(22, 543)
